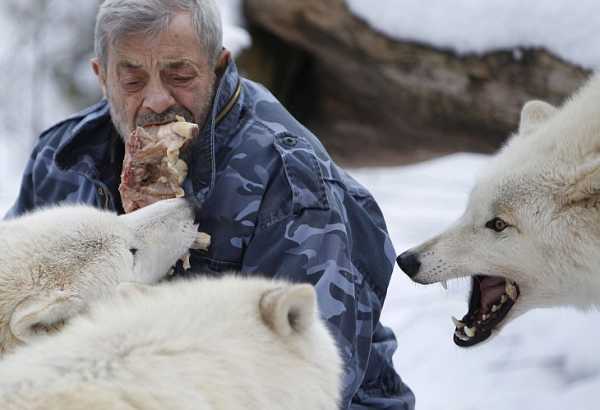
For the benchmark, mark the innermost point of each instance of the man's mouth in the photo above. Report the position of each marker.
(491, 299)
(150, 119)
(157, 123)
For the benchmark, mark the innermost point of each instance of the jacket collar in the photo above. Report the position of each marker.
(226, 112)
(88, 143)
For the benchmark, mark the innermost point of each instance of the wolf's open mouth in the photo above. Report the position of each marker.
(491, 299)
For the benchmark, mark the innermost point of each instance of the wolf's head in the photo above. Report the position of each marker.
(263, 326)
(55, 261)
(530, 236)
(233, 342)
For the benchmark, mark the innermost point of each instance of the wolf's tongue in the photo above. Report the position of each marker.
(491, 289)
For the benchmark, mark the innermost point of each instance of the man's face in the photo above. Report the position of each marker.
(150, 80)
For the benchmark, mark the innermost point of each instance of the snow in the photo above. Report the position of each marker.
(235, 36)
(546, 359)
(566, 28)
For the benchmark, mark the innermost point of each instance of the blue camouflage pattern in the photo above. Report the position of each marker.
(274, 204)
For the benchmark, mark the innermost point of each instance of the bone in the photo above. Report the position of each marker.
(202, 242)
(470, 331)
(183, 128)
(186, 262)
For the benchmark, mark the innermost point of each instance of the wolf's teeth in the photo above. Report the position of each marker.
(511, 290)
(459, 324)
(461, 336)
(444, 284)
(503, 299)
(495, 308)
(469, 331)
(485, 317)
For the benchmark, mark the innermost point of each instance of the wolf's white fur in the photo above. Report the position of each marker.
(546, 184)
(53, 262)
(228, 343)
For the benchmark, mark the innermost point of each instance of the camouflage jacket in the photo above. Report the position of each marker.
(273, 201)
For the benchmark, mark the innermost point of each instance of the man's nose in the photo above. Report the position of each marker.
(157, 97)
(409, 263)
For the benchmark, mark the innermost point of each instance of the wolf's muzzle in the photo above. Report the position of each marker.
(409, 263)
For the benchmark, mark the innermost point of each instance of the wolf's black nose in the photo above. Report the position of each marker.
(409, 263)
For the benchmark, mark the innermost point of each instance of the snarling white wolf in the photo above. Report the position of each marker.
(530, 236)
(232, 343)
(54, 262)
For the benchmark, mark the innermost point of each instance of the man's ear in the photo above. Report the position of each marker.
(289, 309)
(534, 114)
(44, 313)
(583, 188)
(222, 62)
(100, 74)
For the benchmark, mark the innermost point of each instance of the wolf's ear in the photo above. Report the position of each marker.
(44, 313)
(289, 309)
(584, 186)
(533, 114)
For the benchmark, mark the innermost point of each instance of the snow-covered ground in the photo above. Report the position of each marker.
(569, 29)
(547, 359)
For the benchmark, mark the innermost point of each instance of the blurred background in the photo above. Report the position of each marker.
(412, 96)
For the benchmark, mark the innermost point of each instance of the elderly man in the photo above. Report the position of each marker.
(267, 191)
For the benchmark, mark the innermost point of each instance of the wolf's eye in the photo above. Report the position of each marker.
(496, 224)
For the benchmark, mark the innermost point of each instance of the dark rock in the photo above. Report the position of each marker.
(373, 99)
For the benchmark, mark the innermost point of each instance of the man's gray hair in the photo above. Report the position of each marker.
(119, 18)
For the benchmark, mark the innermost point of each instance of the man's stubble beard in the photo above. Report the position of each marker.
(150, 118)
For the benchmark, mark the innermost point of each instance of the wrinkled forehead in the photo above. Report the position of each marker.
(178, 43)
(129, 63)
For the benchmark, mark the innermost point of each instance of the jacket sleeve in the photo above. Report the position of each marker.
(347, 255)
(25, 198)
(37, 171)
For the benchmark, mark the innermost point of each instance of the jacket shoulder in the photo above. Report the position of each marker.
(56, 132)
(297, 160)
(289, 158)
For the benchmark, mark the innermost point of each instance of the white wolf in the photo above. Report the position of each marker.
(55, 261)
(230, 343)
(530, 236)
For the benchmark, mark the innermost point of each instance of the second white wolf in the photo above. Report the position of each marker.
(54, 262)
(530, 236)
